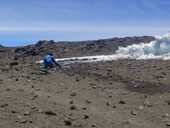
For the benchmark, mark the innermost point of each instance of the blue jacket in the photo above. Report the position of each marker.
(50, 59)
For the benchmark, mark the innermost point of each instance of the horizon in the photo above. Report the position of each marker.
(26, 22)
(17, 44)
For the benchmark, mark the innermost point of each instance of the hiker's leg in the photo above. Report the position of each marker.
(51, 65)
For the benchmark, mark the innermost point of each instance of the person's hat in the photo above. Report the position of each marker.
(50, 53)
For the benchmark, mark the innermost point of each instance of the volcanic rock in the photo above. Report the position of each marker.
(14, 63)
(133, 112)
(73, 93)
(50, 113)
(27, 113)
(86, 116)
(72, 107)
(122, 102)
(67, 122)
(168, 123)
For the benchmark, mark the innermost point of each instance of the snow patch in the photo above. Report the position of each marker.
(157, 49)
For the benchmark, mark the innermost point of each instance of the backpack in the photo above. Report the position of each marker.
(48, 59)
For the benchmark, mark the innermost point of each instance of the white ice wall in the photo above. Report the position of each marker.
(158, 49)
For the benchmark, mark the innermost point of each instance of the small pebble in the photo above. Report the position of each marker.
(148, 104)
(50, 113)
(87, 101)
(71, 102)
(165, 115)
(72, 107)
(23, 121)
(27, 113)
(114, 106)
(73, 93)
(67, 122)
(122, 102)
(168, 123)
(93, 125)
(86, 116)
(107, 103)
(84, 108)
(126, 122)
(133, 112)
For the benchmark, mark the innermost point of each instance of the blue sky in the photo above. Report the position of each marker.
(24, 22)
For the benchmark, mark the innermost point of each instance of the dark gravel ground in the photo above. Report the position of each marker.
(116, 94)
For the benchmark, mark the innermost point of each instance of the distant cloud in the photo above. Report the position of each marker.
(135, 30)
(137, 10)
(153, 6)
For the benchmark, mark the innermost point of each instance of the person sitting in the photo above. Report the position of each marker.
(49, 61)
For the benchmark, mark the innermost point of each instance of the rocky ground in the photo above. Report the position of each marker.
(116, 94)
